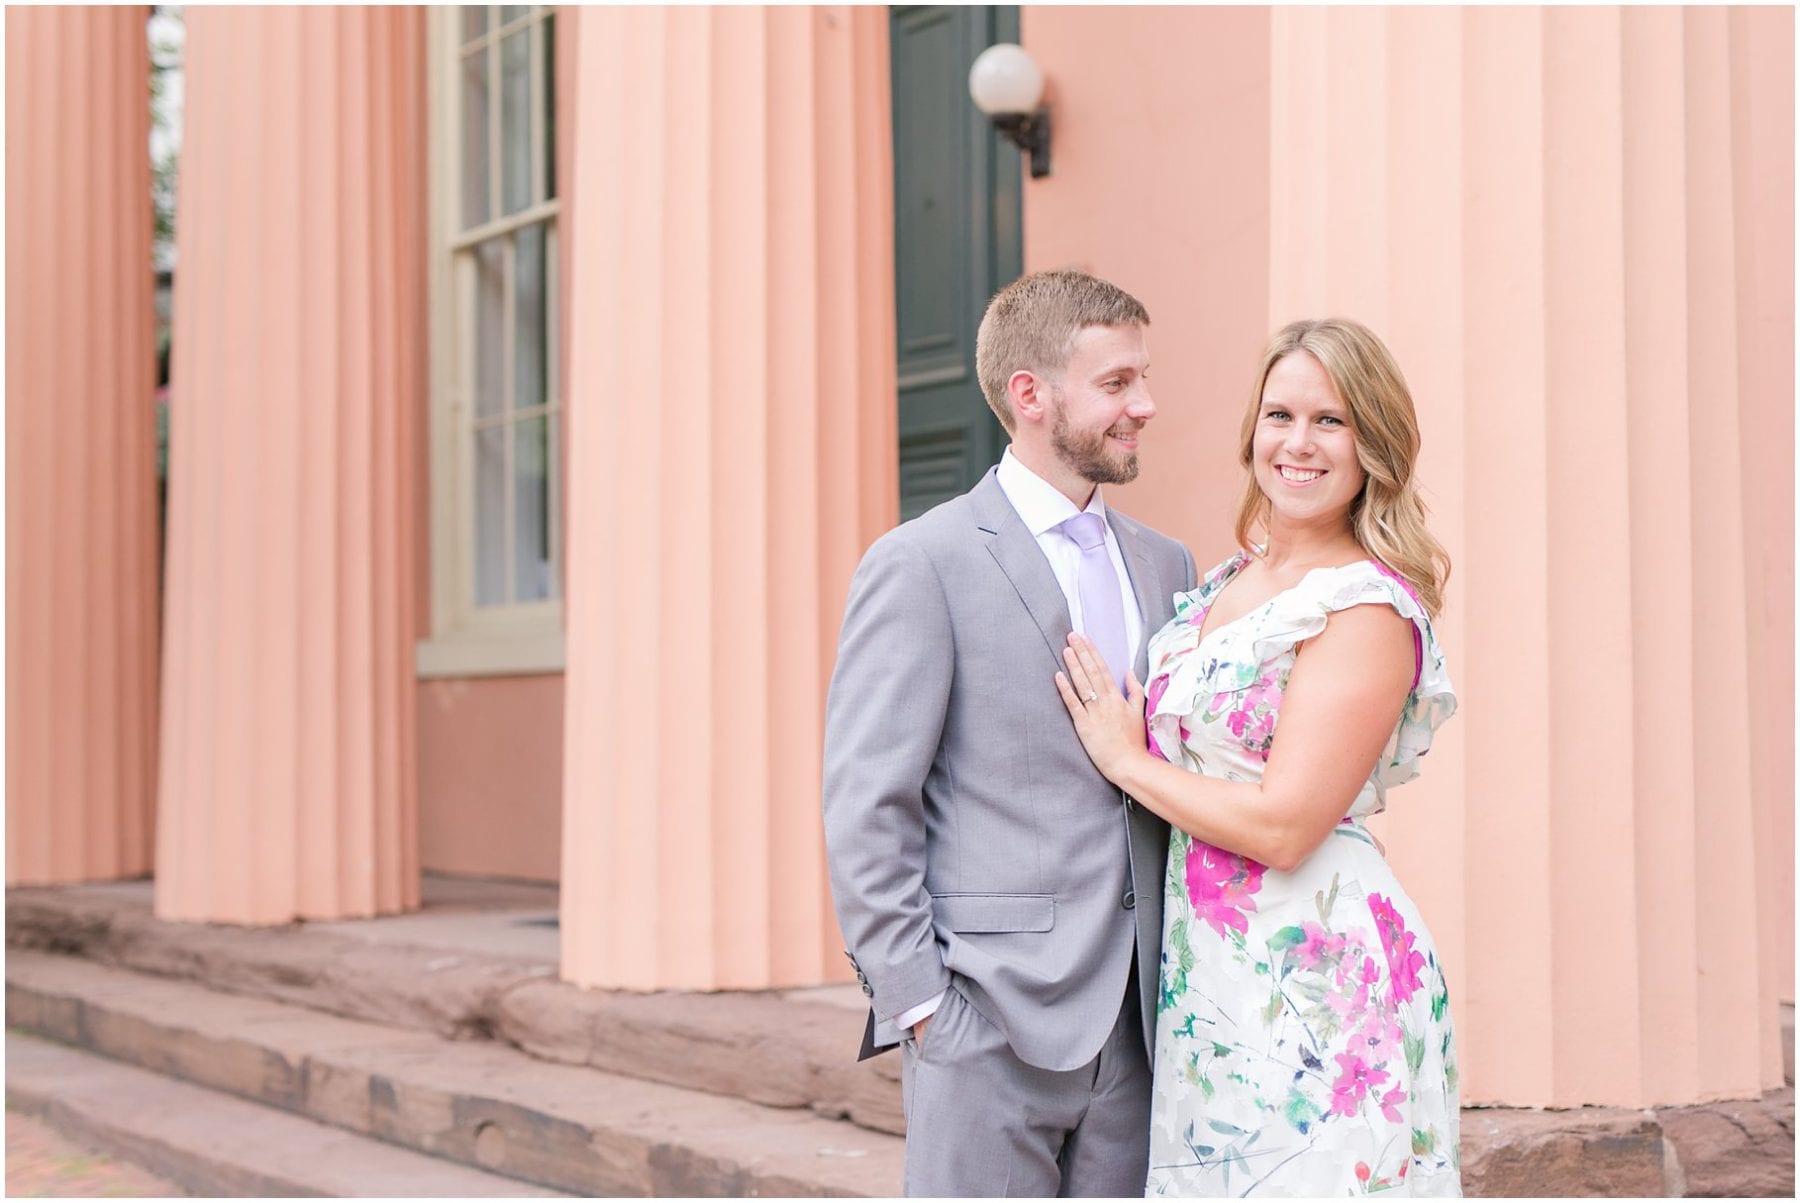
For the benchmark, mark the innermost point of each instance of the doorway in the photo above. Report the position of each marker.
(957, 240)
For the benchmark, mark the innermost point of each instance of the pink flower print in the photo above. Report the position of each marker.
(1356, 1078)
(1318, 945)
(1159, 685)
(1262, 737)
(1220, 885)
(1404, 961)
(1390, 1107)
(1351, 998)
(1379, 1038)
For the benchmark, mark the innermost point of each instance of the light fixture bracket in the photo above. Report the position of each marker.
(1030, 132)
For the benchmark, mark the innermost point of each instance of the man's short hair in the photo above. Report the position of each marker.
(1032, 323)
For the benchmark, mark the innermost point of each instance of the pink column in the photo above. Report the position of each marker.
(1762, 135)
(81, 551)
(288, 757)
(731, 452)
(1573, 226)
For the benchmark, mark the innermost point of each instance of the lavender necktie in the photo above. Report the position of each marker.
(1102, 607)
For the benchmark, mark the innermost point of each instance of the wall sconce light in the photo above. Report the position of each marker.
(1006, 84)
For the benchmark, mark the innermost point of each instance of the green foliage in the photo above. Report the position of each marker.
(1175, 981)
(1301, 1112)
(165, 58)
(1325, 903)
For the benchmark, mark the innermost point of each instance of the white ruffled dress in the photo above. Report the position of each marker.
(1303, 1038)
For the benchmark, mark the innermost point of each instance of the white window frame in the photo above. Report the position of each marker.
(466, 639)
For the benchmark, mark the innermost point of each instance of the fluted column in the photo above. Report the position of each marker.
(1551, 216)
(288, 760)
(731, 452)
(81, 550)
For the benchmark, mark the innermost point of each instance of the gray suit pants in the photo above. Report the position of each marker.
(979, 1121)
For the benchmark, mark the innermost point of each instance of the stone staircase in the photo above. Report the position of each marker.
(390, 1056)
(356, 1059)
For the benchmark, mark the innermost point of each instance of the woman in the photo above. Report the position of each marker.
(1303, 1041)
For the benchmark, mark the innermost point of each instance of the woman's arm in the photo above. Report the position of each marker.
(1340, 708)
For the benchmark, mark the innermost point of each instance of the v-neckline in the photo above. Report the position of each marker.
(1238, 564)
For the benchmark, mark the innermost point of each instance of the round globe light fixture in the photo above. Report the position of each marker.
(1007, 84)
(1006, 79)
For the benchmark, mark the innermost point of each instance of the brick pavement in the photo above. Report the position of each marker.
(42, 1163)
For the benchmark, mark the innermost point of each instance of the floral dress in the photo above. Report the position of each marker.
(1303, 1041)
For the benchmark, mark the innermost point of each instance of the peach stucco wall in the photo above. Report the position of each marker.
(1161, 182)
(490, 776)
(1574, 227)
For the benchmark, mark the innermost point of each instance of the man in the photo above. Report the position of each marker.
(1001, 900)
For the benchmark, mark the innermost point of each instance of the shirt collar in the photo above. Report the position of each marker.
(1039, 503)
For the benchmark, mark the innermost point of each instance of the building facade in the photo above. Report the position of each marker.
(540, 375)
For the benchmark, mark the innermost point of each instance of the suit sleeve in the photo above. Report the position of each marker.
(884, 718)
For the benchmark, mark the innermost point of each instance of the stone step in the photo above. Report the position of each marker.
(464, 968)
(475, 1102)
(211, 1144)
(793, 1048)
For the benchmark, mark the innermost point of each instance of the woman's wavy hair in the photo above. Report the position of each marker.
(1387, 517)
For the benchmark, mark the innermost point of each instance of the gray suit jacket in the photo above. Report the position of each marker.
(970, 839)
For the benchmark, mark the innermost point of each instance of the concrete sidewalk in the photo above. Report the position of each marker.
(447, 1031)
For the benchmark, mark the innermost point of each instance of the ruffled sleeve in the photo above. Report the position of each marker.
(1432, 699)
(1188, 677)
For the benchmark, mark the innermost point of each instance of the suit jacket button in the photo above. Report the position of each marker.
(1130, 899)
(868, 990)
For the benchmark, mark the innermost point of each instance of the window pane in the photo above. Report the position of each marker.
(549, 106)
(515, 122)
(475, 208)
(489, 334)
(512, 12)
(531, 536)
(490, 516)
(531, 348)
(474, 20)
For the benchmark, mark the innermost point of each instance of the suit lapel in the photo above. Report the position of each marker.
(1017, 553)
(1144, 586)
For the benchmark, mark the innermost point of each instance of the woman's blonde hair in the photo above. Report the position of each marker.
(1387, 517)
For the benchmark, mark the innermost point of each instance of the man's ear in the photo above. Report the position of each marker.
(1028, 395)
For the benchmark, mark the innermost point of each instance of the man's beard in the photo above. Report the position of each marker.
(1086, 452)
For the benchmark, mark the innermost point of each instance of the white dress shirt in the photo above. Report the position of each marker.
(1043, 509)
